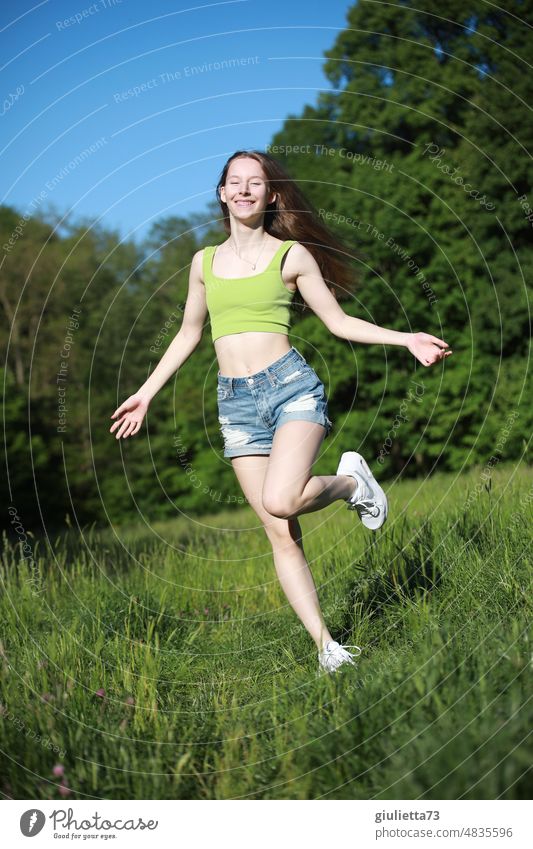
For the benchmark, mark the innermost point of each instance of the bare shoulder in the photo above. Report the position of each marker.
(300, 260)
(299, 251)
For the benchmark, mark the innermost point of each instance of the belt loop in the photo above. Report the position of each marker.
(231, 389)
(271, 378)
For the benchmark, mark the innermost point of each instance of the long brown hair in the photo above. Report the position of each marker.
(292, 216)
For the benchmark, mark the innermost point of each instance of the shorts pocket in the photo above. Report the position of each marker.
(298, 373)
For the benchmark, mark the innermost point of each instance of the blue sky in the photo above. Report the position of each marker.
(125, 112)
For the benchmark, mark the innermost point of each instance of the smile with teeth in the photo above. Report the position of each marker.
(244, 202)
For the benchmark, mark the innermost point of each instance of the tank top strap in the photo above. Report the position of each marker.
(281, 251)
(207, 261)
(275, 263)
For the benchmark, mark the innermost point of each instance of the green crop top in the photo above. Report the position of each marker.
(237, 304)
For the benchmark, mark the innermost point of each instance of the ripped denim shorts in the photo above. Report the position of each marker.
(250, 409)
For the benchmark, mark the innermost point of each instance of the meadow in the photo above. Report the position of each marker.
(163, 661)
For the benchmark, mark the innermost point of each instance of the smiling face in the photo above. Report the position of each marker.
(246, 189)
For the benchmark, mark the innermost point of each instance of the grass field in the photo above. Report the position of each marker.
(165, 662)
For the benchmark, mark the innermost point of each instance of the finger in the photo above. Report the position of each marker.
(129, 429)
(116, 424)
(137, 428)
(124, 408)
(439, 341)
(122, 428)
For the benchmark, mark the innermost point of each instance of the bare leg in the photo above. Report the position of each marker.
(289, 557)
(289, 489)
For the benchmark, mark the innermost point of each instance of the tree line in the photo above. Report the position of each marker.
(419, 158)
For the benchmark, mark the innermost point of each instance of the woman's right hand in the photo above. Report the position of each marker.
(129, 416)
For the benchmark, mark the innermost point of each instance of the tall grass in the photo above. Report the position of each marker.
(166, 663)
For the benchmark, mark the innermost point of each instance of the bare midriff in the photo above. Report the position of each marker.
(242, 354)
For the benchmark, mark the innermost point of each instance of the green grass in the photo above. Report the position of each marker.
(227, 702)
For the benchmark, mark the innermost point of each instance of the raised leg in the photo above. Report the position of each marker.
(290, 489)
(289, 557)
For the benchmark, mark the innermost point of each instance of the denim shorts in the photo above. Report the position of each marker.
(250, 409)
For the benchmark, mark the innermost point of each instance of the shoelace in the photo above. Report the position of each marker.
(366, 507)
(352, 647)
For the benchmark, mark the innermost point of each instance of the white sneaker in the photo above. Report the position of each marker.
(334, 655)
(368, 499)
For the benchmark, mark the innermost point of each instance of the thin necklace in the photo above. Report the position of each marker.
(253, 264)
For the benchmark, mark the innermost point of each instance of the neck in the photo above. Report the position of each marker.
(246, 238)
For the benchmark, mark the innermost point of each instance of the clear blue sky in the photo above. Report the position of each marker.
(67, 85)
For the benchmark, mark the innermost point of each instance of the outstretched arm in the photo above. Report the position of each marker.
(426, 348)
(129, 416)
(188, 336)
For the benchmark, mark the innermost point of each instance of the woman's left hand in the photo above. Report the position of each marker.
(427, 348)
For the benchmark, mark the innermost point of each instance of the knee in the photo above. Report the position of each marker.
(280, 506)
(282, 533)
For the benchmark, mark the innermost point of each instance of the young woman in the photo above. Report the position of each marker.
(272, 406)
